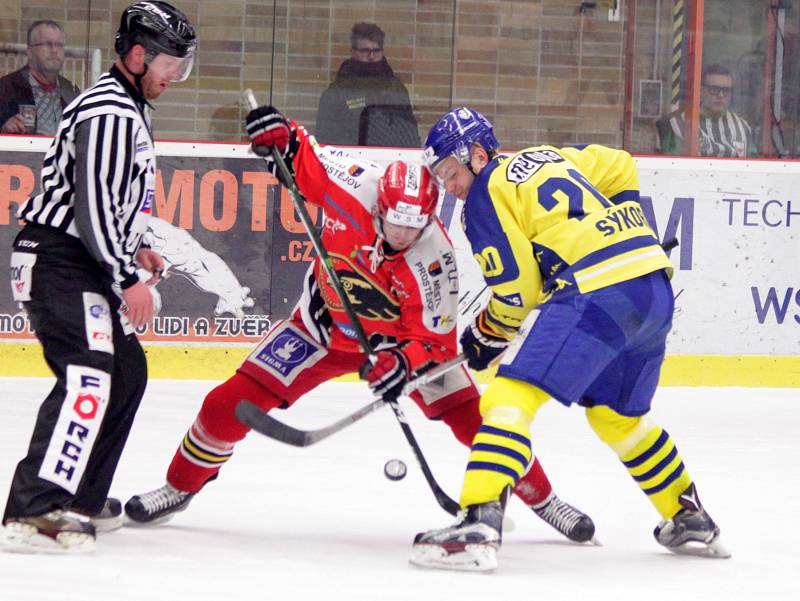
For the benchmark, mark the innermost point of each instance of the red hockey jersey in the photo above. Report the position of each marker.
(408, 297)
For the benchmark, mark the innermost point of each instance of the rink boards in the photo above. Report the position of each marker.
(237, 251)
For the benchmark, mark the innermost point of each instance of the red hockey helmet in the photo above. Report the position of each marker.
(407, 195)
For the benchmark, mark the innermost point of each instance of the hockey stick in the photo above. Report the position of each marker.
(444, 501)
(263, 423)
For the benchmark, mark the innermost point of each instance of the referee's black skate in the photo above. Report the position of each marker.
(569, 521)
(55, 532)
(157, 506)
(691, 531)
(470, 544)
(108, 519)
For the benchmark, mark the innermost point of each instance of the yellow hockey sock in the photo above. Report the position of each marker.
(648, 453)
(501, 450)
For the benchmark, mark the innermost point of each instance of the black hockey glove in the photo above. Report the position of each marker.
(268, 129)
(388, 375)
(479, 346)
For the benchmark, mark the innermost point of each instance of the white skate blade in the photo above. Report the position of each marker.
(107, 524)
(474, 558)
(130, 522)
(713, 550)
(24, 538)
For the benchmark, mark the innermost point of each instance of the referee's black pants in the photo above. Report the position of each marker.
(84, 422)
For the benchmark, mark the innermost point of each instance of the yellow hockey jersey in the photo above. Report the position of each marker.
(547, 222)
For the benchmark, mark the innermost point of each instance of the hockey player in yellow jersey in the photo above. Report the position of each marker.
(580, 309)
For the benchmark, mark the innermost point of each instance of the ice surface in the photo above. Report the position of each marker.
(323, 523)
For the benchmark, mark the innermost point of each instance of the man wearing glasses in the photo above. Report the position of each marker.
(366, 105)
(33, 98)
(723, 133)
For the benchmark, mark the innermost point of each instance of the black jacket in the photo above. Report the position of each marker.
(15, 89)
(366, 105)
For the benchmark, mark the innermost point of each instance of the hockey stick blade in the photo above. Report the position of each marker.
(252, 416)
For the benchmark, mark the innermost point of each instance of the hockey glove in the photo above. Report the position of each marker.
(268, 129)
(479, 346)
(388, 375)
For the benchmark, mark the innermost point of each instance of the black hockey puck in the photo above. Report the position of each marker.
(395, 469)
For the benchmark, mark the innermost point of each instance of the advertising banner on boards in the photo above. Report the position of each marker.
(236, 250)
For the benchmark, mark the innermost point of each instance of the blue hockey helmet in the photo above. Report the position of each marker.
(455, 133)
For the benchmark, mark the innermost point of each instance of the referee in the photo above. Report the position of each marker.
(74, 269)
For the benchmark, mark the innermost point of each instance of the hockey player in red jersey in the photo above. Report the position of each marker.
(398, 268)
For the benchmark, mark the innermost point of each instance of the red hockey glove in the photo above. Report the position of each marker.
(388, 375)
(479, 346)
(267, 127)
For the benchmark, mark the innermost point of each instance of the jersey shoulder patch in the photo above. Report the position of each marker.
(523, 165)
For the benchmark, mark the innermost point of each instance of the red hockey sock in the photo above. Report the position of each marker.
(210, 440)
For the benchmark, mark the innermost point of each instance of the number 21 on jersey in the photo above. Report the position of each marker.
(573, 189)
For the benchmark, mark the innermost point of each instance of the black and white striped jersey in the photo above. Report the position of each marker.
(724, 135)
(98, 177)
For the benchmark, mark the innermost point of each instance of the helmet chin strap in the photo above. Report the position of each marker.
(469, 166)
(137, 77)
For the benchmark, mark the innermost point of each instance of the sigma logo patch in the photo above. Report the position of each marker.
(21, 272)
(97, 322)
(522, 167)
(285, 353)
(76, 429)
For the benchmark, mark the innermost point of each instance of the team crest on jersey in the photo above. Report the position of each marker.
(525, 164)
(365, 297)
(355, 170)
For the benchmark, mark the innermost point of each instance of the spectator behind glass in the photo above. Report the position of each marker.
(366, 105)
(723, 133)
(38, 84)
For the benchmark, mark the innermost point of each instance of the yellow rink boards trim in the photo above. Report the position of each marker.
(219, 362)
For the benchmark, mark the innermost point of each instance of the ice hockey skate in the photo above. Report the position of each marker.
(470, 544)
(108, 519)
(572, 523)
(54, 532)
(157, 506)
(691, 531)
